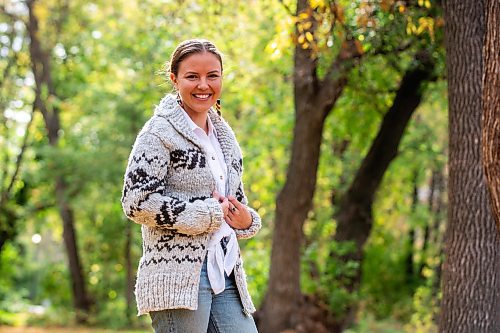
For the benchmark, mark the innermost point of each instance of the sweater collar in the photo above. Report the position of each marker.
(171, 110)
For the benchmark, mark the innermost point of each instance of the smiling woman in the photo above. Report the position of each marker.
(183, 183)
(199, 84)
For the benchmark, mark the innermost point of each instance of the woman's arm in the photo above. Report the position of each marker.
(143, 198)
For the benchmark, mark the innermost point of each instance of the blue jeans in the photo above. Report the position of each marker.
(222, 313)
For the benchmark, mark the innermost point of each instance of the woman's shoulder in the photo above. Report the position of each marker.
(159, 125)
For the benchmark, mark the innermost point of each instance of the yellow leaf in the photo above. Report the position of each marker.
(307, 25)
(401, 8)
(421, 3)
(303, 16)
(427, 272)
(301, 39)
(305, 45)
(309, 36)
(317, 3)
(427, 4)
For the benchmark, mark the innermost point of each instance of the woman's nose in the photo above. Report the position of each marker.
(203, 84)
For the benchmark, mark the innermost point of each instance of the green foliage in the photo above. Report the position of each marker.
(107, 60)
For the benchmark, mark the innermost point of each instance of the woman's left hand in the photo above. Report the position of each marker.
(238, 217)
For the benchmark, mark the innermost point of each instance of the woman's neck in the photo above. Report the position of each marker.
(199, 118)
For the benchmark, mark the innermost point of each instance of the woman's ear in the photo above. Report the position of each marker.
(173, 79)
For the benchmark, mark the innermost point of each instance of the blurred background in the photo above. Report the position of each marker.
(340, 108)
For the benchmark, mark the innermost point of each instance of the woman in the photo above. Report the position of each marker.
(183, 185)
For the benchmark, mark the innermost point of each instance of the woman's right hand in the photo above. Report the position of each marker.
(224, 202)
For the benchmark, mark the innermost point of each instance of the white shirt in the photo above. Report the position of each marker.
(217, 262)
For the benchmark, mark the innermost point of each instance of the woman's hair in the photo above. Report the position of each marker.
(189, 47)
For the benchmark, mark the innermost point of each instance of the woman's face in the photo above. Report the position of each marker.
(199, 82)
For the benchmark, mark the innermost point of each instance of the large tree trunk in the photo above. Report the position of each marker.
(491, 105)
(471, 271)
(314, 99)
(40, 60)
(292, 205)
(354, 216)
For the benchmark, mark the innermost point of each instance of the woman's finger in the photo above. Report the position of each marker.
(235, 202)
(232, 208)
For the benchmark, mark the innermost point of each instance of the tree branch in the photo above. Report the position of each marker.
(21, 154)
(336, 77)
(305, 64)
(287, 8)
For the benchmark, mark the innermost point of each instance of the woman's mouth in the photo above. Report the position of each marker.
(202, 96)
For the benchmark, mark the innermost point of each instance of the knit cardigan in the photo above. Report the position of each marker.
(168, 189)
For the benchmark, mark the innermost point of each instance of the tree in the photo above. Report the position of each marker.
(354, 215)
(471, 270)
(491, 106)
(314, 99)
(45, 96)
(315, 95)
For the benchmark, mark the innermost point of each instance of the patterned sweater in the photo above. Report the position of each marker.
(167, 189)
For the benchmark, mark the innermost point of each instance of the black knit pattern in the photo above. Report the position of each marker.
(187, 159)
(238, 165)
(240, 195)
(163, 244)
(155, 261)
(169, 211)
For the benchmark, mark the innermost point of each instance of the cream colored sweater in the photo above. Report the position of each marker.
(168, 189)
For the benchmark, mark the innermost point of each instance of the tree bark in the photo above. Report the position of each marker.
(40, 61)
(354, 216)
(471, 270)
(491, 106)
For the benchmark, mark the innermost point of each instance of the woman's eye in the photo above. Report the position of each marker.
(213, 76)
(191, 77)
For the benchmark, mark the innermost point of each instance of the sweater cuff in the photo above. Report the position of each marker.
(216, 214)
(252, 229)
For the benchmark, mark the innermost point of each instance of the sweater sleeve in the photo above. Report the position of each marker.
(144, 200)
(256, 221)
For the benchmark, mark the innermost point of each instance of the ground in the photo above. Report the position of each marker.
(8, 329)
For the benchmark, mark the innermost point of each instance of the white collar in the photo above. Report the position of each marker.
(194, 127)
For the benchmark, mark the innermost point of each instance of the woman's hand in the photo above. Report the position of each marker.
(224, 203)
(238, 217)
(235, 213)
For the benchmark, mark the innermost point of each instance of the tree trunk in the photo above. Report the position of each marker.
(314, 99)
(354, 216)
(40, 61)
(471, 271)
(292, 205)
(491, 105)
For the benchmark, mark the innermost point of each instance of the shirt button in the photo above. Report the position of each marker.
(221, 177)
(213, 158)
